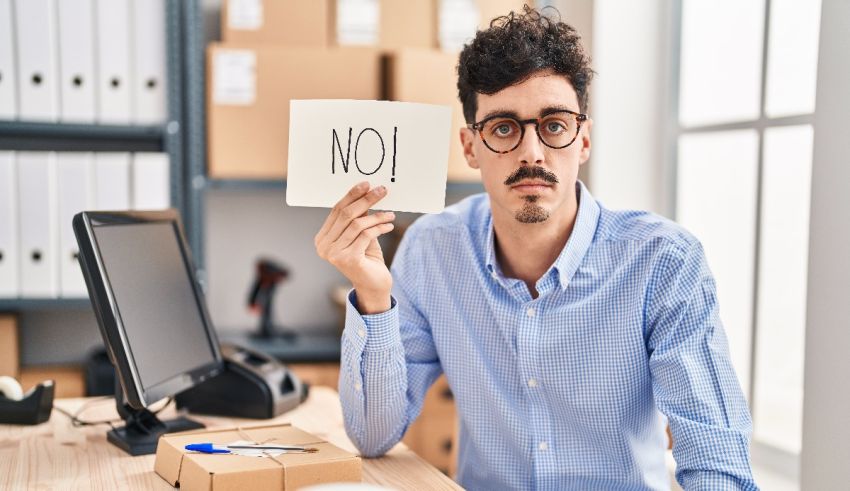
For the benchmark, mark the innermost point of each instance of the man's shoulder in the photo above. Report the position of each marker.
(643, 227)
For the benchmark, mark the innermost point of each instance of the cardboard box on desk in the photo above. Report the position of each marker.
(249, 93)
(220, 472)
(430, 77)
(278, 22)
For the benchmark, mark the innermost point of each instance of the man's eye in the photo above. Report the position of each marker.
(555, 127)
(503, 129)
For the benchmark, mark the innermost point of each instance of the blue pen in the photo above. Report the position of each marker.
(211, 448)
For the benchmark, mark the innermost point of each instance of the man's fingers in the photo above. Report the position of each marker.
(356, 192)
(353, 211)
(358, 247)
(358, 225)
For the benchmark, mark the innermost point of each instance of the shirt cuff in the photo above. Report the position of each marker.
(377, 331)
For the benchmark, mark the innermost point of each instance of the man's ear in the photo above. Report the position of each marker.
(467, 139)
(584, 139)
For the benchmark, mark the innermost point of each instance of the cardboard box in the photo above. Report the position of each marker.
(220, 472)
(248, 113)
(398, 24)
(70, 380)
(9, 346)
(408, 24)
(279, 22)
(430, 77)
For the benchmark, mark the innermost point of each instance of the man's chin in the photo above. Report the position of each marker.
(531, 213)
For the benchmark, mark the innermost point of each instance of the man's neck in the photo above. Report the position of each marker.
(525, 251)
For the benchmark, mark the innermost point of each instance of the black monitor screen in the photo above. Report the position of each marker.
(156, 302)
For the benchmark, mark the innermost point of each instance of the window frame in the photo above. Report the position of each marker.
(776, 459)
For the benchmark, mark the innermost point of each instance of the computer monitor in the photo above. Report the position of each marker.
(152, 316)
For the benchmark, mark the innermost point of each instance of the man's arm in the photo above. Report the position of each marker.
(694, 383)
(384, 372)
(388, 363)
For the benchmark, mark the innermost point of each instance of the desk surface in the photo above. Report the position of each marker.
(55, 455)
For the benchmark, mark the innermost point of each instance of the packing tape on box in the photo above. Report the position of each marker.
(264, 453)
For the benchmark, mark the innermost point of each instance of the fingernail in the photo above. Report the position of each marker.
(390, 214)
(381, 189)
(362, 185)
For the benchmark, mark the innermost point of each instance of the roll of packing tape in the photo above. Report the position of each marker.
(10, 388)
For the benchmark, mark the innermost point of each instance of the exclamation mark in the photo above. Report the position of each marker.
(395, 131)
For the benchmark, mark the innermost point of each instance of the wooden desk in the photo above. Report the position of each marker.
(55, 455)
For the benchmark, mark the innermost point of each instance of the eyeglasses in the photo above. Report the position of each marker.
(502, 134)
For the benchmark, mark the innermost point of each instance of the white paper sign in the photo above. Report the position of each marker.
(234, 77)
(334, 144)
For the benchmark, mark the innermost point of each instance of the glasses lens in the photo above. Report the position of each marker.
(558, 130)
(501, 134)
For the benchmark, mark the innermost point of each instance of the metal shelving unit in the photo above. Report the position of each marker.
(177, 136)
(197, 180)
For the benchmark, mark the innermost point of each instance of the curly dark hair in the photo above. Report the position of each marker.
(515, 47)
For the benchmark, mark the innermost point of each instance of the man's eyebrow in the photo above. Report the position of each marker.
(503, 113)
(553, 109)
(507, 113)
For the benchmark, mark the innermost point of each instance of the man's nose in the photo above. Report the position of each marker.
(530, 150)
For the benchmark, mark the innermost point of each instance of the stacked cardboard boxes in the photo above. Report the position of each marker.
(273, 51)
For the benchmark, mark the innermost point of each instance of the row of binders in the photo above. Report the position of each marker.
(40, 192)
(83, 61)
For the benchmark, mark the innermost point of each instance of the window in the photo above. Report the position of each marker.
(746, 97)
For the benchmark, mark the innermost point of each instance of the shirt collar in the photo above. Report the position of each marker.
(577, 244)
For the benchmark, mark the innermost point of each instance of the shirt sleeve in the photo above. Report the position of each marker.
(694, 383)
(388, 363)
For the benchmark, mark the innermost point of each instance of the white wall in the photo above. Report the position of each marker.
(629, 105)
(826, 402)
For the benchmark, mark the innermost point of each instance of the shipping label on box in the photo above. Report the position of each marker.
(234, 74)
(222, 472)
(244, 14)
(334, 144)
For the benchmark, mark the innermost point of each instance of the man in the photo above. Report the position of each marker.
(565, 329)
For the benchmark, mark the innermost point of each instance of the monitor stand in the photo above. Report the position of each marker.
(140, 434)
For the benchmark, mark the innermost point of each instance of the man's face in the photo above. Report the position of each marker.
(533, 182)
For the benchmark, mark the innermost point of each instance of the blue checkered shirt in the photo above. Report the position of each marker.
(571, 390)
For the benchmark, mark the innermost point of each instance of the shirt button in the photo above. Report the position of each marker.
(361, 332)
(530, 312)
(358, 387)
(532, 382)
(543, 446)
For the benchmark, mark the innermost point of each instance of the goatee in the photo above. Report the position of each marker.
(531, 212)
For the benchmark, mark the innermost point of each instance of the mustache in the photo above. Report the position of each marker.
(535, 172)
